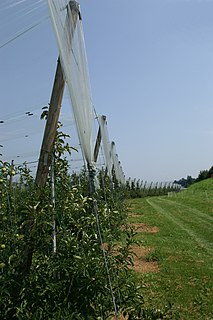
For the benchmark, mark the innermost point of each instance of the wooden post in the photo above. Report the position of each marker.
(45, 158)
(98, 142)
(51, 127)
(97, 145)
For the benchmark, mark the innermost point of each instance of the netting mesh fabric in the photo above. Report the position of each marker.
(67, 25)
(116, 165)
(106, 144)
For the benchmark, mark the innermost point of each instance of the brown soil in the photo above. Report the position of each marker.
(139, 258)
(142, 227)
(140, 263)
(140, 253)
(134, 215)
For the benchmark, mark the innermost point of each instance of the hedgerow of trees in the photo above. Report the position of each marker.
(203, 174)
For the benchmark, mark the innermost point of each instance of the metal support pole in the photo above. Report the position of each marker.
(52, 179)
(11, 174)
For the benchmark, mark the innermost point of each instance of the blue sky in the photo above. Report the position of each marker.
(151, 72)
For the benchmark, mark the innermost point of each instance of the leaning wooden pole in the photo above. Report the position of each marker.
(97, 145)
(45, 158)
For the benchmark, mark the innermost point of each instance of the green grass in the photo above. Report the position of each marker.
(183, 248)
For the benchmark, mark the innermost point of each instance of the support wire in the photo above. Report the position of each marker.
(52, 178)
(23, 32)
(95, 209)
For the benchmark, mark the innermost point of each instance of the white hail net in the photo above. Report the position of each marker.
(106, 144)
(116, 165)
(69, 34)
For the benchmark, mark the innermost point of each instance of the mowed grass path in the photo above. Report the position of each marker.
(183, 248)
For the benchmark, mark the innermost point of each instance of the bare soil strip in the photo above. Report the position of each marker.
(142, 227)
(140, 263)
(140, 253)
(134, 215)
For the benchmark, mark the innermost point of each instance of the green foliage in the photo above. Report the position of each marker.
(185, 182)
(154, 255)
(73, 283)
(135, 190)
(203, 175)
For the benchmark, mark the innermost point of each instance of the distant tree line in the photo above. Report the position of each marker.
(203, 174)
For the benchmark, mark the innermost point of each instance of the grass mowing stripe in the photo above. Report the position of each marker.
(187, 215)
(195, 217)
(197, 212)
(185, 279)
(201, 242)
